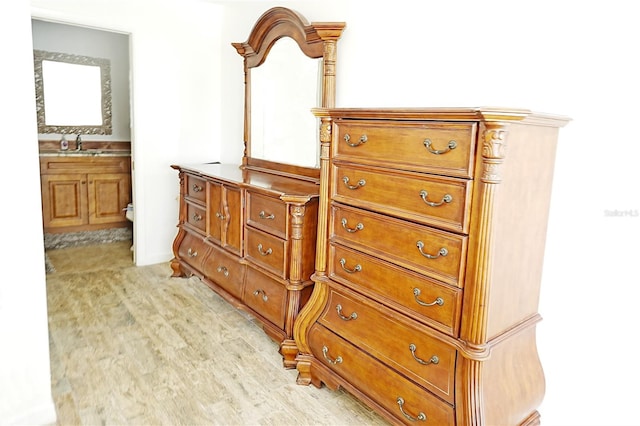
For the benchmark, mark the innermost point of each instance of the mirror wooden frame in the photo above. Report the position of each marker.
(316, 40)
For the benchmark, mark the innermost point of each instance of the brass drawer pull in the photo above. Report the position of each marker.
(421, 416)
(443, 251)
(360, 183)
(347, 139)
(416, 292)
(196, 188)
(264, 253)
(223, 270)
(359, 226)
(451, 145)
(434, 359)
(197, 217)
(342, 317)
(264, 295)
(446, 199)
(191, 253)
(263, 215)
(357, 268)
(220, 216)
(338, 360)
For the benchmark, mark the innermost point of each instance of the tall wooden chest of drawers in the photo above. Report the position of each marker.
(432, 225)
(250, 236)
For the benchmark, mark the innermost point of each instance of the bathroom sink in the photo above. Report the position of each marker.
(86, 153)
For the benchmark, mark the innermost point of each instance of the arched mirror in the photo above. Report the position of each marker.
(289, 68)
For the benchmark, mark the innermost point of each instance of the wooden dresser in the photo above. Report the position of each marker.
(431, 235)
(251, 237)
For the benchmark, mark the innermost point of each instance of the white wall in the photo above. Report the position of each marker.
(570, 58)
(25, 384)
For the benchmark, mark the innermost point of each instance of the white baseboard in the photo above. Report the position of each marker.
(40, 415)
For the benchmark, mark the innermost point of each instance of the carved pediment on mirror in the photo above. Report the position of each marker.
(289, 68)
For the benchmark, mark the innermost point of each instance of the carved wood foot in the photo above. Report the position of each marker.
(289, 351)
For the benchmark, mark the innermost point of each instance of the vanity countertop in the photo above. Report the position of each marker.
(86, 153)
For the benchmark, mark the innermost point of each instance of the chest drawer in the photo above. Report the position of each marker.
(193, 250)
(196, 216)
(401, 344)
(267, 251)
(266, 296)
(429, 251)
(433, 147)
(438, 201)
(268, 214)
(195, 187)
(400, 397)
(225, 270)
(426, 300)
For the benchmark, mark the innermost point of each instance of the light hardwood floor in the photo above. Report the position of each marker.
(132, 346)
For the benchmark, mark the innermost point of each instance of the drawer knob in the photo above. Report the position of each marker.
(258, 292)
(264, 253)
(263, 215)
(360, 183)
(446, 199)
(443, 251)
(451, 145)
(191, 253)
(345, 318)
(220, 216)
(421, 416)
(196, 188)
(325, 350)
(416, 292)
(356, 268)
(347, 139)
(359, 226)
(197, 217)
(434, 359)
(223, 270)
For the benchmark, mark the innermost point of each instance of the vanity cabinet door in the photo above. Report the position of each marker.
(108, 196)
(64, 200)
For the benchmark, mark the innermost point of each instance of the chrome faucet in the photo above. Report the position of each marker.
(78, 143)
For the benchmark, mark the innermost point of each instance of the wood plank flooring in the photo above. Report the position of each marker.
(132, 346)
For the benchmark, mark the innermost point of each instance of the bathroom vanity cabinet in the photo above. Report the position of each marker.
(84, 192)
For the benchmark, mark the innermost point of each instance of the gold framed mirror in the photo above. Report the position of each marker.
(279, 130)
(73, 93)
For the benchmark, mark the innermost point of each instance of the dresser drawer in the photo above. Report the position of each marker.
(400, 343)
(225, 270)
(433, 147)
(195, 187)
(396, 394)
(193, 250)
(196, 216)
(266, 296)
(425, 299)
(267, 251)
(430, 199)
(267, 213)
(429, 251)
